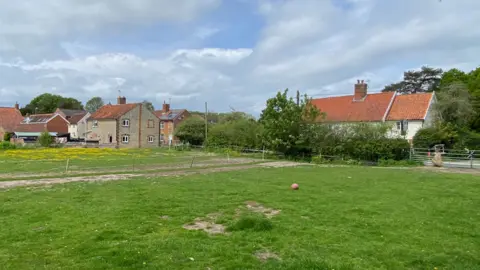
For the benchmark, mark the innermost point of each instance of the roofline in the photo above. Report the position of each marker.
(429, 105)
(55, 115)
(387, 111)
(115, 118)
(86, 114)
(368, 94)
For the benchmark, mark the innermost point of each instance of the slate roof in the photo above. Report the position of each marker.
(410, 107)
(10, 118)
(37, 118)
(76, 118)
(170, 115)
(71, 113)
(112, 111)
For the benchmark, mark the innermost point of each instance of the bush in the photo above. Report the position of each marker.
(7, 136)
(448, 135)
(45, 140)
(251, 222)
(5, 145)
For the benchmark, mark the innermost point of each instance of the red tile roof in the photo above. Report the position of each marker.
(31, 128)
(112, 111)
(10, 118)
(345, 109)
(76, 118)
(410, 107)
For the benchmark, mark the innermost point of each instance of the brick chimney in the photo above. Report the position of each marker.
(165, 107)
(17, 106)
(360, 91)
(121, 100)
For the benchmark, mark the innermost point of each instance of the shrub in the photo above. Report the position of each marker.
(251, 222)
(7, 145)
(7, 136)
(45, 140)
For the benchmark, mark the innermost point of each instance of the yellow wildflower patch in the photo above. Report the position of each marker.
(72, 153)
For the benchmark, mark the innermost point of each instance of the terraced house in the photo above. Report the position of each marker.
(123, 126)
(169, 120)
(405, 113)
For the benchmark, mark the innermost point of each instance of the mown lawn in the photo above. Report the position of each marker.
(341, 218)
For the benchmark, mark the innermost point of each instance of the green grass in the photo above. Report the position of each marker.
(121, 162)
(341, 218)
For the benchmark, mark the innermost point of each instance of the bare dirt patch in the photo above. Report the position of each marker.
(279, 164)
(267, 255)
(113, 177)
(206, 224)
(259, 208)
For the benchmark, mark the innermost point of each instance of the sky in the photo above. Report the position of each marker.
(233, 54)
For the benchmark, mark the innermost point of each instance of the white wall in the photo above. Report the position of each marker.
(72, 129)
(413, 127)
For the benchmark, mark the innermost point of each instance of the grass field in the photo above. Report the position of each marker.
(81, 160)
(341, 218)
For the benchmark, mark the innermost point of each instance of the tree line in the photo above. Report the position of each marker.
(48, 103)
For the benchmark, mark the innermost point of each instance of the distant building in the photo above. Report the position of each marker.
(123, 125)
(10, 118)
(169, 120)
(407, 113)
(77, 126)
(32, 126)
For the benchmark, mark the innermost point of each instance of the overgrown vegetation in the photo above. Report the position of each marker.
(45, 140)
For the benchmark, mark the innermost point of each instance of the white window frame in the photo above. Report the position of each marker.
(125, 123)
(95, 124)
(162, 125)
(151, 139)
(162, 137)
(125, 138)
(399, 125)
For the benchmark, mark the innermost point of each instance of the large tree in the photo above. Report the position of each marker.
(426, 79)
(192, 130)
(474, 88)
(94, 104)
(289, 125)
(454, 105)
(48, 103)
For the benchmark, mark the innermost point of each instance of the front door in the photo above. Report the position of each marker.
(110, 139)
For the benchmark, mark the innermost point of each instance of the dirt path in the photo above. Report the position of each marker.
(113, 177)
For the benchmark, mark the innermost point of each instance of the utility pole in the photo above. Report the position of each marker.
(206, 121)
(298, 97)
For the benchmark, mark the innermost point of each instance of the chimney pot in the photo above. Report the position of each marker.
(360, 91)
(165, 107)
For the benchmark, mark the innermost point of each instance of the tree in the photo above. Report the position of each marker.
(45, 139)
(192, 130)
(454, 105)
(241, 132)
(453, 76)
(426, 79)
(289, 125)
(7, 136)
(94, 104)
(474, 88)
(148, 105)
(48, 103)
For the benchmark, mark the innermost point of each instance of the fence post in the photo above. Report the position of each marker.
(228, 157)
(191, 164)
(66, 167)
(410, 154)
(263, 153)
(133, 163)
(471, 159)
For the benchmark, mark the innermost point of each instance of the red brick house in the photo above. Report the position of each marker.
(10, 118)
(34, 125)
(169, 120)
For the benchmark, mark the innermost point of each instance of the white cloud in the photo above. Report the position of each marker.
(315, 46)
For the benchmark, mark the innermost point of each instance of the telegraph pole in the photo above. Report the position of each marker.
(206, 121)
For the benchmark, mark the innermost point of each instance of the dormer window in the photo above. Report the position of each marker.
(126, 123)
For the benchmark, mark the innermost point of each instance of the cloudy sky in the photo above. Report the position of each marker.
(230, 53)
